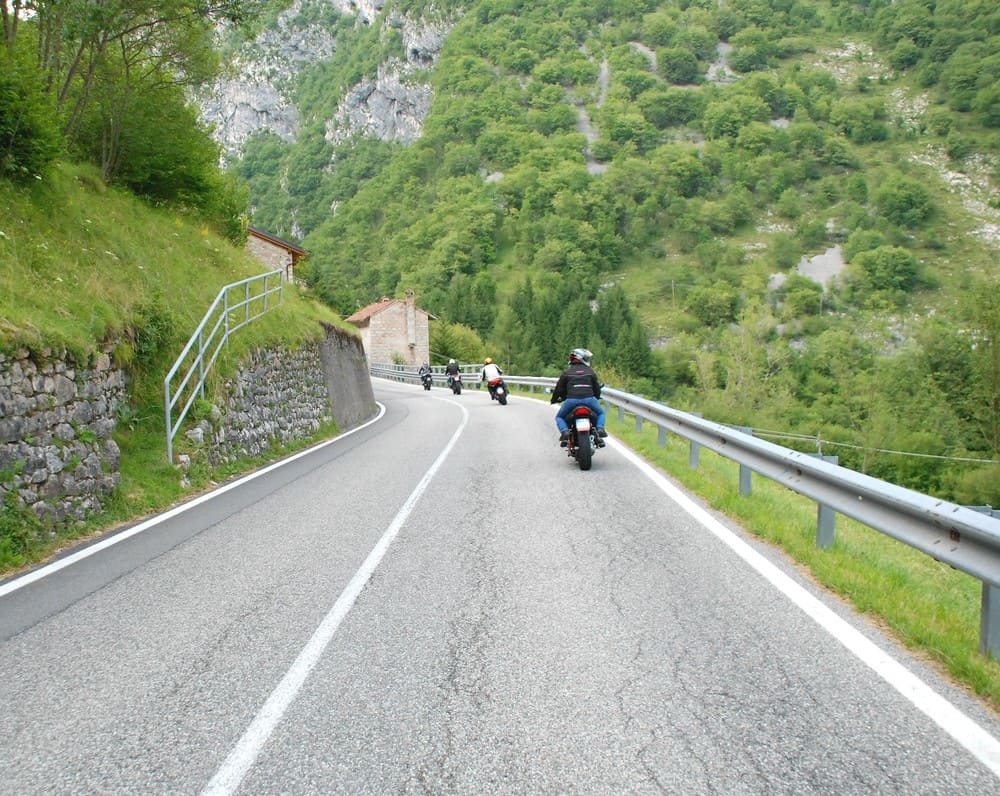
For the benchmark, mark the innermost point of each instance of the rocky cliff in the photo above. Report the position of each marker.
(256, 94)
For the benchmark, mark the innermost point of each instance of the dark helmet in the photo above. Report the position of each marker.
(580, 355)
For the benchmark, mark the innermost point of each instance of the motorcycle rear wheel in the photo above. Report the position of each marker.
(584, 454)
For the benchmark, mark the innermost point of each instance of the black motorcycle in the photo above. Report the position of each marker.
(583, 437)
(427, 380)
(498, 391)
(455, 382)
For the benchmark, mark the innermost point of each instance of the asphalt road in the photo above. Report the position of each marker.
(441, 602)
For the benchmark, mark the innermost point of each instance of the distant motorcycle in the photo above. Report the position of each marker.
(498, 391)
(583, 437)
(455, 382)
(427, 380)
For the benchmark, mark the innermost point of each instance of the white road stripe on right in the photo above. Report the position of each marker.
(983, 746)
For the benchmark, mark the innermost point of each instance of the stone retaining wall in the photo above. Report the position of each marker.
(57, 456)
(56, 420)
(280, 396)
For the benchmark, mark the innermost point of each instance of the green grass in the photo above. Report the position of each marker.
(84, 269)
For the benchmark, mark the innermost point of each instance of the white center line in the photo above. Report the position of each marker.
(227, 779)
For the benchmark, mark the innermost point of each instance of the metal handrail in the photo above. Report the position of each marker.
(227, 320)
(959, 536)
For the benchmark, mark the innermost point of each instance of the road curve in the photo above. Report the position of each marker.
(441, 602)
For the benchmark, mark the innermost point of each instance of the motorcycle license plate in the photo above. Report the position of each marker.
(499, 390)
(583, 424)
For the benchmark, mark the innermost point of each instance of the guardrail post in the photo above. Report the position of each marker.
(989, 622)
(621, 414)
(826, 517)
(662, 439)
(695, 451)
(746, 474)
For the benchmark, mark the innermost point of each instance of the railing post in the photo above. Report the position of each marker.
(695, 450)
(825, 516)
(663, 437)
(989, 622)
(170, 431)
(746, 474)
(201, 364)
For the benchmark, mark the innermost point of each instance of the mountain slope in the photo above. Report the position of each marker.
(679, 165)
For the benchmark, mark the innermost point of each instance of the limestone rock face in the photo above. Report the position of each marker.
(255, 95)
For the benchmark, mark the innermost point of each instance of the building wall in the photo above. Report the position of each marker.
(272, 255)
(387, 338)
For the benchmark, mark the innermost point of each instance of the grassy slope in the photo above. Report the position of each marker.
(82, 268)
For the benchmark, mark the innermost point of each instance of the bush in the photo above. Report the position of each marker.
(888, 268)
(904, 201)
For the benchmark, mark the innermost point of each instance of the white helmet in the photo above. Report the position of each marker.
(580, 355)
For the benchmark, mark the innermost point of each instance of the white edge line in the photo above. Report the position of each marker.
(152, 522)
(229, 776)
(981, 744)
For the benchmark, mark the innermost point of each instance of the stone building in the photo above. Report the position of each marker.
(394, 331)
(274, 252)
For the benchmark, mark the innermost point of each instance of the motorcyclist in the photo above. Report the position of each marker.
(490, 373)
(451, 370)
(425, 370)
(578, 386)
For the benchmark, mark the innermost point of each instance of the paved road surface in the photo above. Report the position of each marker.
(440, 602)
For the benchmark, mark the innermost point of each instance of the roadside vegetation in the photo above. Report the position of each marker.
(87, 268)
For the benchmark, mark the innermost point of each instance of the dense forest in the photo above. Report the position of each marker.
(642, 178)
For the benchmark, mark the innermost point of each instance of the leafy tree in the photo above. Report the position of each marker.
(904, 201)
(888, 268)
(678, 65)
(859, 119)
(455, 341)
(713, 305)
(29, 134)
(725, 117)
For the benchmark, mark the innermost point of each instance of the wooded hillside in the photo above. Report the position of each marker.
(624, 173)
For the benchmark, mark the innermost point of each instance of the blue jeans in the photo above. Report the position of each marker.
(572, 403)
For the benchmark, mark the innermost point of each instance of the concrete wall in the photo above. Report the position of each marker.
(347, 381)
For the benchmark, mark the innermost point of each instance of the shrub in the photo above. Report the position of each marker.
(904, 201)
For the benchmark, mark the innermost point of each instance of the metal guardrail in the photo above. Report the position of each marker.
(962, 537)
(222, 319)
